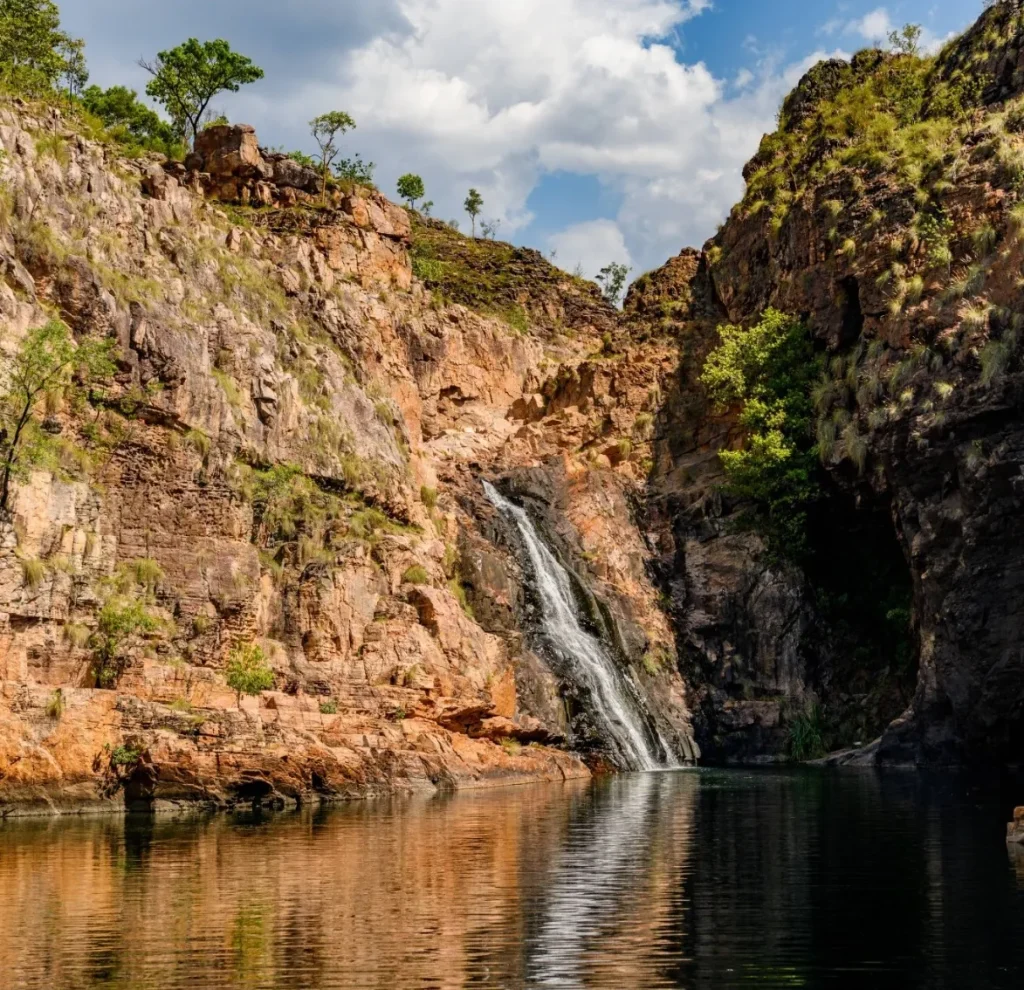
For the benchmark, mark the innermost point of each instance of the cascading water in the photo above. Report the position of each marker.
(614, 696)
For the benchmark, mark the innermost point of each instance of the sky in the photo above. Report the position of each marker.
(596, 130)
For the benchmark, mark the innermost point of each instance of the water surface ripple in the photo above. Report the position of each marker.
(706, 878)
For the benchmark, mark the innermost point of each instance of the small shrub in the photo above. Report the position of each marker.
(33, 571)
(458, 590)
(849, 248)
(517, 320)
(248, 671)
(512, 747)
(56, 705)
(416, 575)
(428, 496)
(806, 735)
(329, 707)
(147, 572)
(181, 705)
(77, 634)
(125, 756)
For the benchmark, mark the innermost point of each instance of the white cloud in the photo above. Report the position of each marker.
(470, 93)
(473, 94)
(591, 245)
(876, 26)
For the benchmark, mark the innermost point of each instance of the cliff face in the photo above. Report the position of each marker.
(288, 455)
(884, 213)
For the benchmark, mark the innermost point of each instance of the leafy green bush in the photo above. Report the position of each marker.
(428, 496)
(807, 735)
(248, 671)
(768, 370)
(121, 621)
(56, 705)
(125, 756)
(416, 575)
(328, 707)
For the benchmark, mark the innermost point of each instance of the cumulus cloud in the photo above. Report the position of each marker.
(876, 26)
(473, 94)
(590, 245)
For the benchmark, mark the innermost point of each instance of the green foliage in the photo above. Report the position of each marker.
(428, 496)
(355, 170)
(411, 189)
(807, 735)
(130, 122)
(329, 707)
(248, 671)
(46, 361)
(517, 319)
(325, 130)
(512, 747)
(416, 575)
(125, 756)
(907, 40)
(56, 706)
(612, 279)
(473, 205)
(769, 369)
(33, 571)
(34, 52)
(122, 620)
(458, 590)
(186, 78)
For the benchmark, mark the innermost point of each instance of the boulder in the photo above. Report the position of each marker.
(1015, 830)
(228, 149)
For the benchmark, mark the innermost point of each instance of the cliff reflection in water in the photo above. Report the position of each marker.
(709, 879)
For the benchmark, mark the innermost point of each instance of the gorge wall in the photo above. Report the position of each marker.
(289, 455)
(307, 398)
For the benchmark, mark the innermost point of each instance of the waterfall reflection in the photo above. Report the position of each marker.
(715, 879)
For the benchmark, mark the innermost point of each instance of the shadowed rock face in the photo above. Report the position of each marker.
(943, 444)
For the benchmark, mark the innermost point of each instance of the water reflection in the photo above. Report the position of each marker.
(693, 879)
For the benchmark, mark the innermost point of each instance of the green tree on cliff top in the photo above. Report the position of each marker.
(411, 188)
(473, 205)
(34, 51)
(186, 78)
(325, 130)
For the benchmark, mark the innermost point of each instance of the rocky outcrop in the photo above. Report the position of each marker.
(1015, 830)
(904, 278)
(288, 456)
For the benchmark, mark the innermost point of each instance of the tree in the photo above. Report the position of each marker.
(411, 188)
(612, 279)
(248, 671)
(325, 129)
(769, 369)
(355, 170)
(74, 72)
(907, 40)
(44, 363)
(473, 205)
(186, 78)
(34, 51)
(126, 117)
(489, 228)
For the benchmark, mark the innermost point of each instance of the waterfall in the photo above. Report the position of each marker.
(614, 695)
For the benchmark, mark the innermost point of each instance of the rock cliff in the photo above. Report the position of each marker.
(885, 213)
(288, 455)
(309, 391)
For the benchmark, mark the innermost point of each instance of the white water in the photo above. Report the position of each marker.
(594, 667)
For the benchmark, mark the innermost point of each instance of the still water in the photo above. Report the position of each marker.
(691, 879)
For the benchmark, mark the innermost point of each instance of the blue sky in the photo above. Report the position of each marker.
(598, 129)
